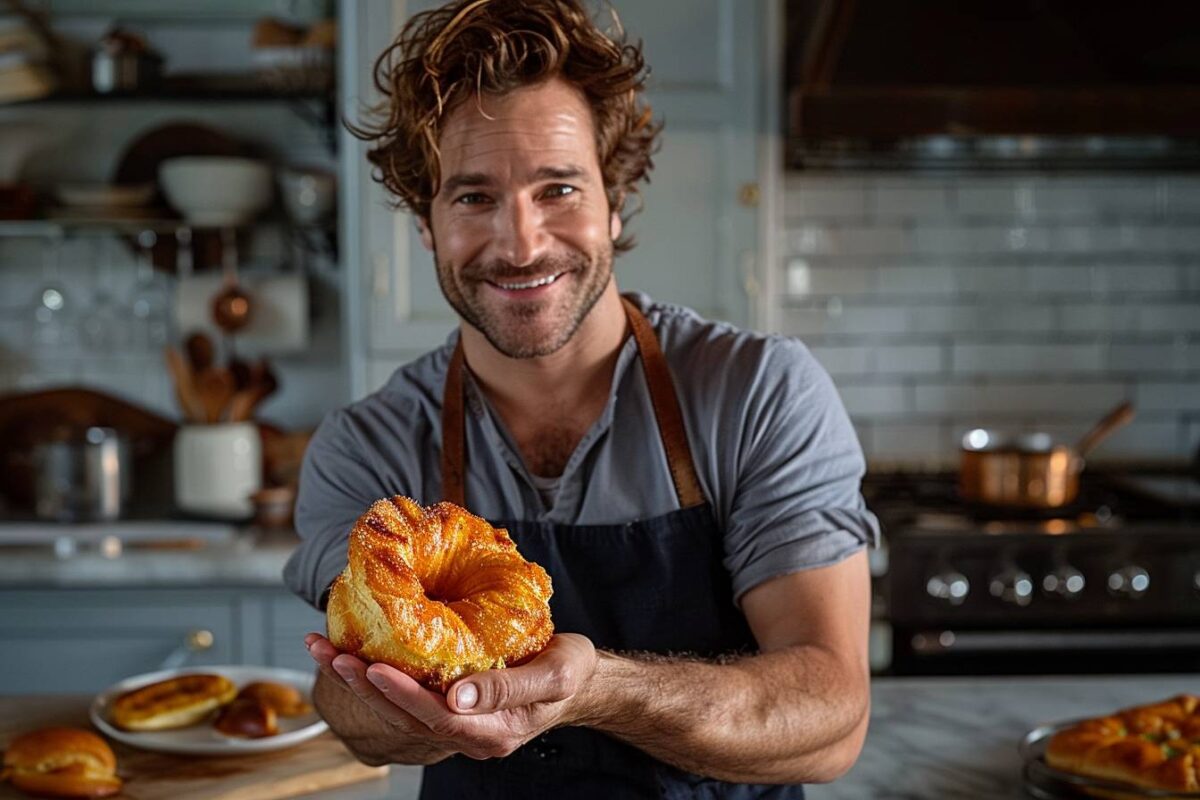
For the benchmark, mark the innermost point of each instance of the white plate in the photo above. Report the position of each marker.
(202, 738)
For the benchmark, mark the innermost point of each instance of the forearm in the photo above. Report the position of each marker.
(797, 714)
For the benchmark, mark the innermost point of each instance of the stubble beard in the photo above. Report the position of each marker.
(508, 326)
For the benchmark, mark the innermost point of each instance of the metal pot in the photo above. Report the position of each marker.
(1029, 471)
(83, 478)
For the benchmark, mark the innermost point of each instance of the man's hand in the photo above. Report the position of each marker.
(373, 738)
(486, 715)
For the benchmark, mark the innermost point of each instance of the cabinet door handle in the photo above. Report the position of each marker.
(194, 641)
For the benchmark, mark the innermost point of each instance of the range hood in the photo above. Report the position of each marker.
(1019, 83)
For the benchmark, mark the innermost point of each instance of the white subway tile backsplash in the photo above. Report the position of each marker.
(1142, 437)
(1189, 278)
(927, 280)
(1094, 317)
(1154, 358)
(1002, 198)
(807, 277)
(992, 279)
(882, 359)
(1073, 279)
(1175, 318)
(1095, 197)
(835, 317)
(822, 201)
(1015, 399)
(919, 439)
(981, 318)
(1027, 359)
(1182, 195)
(909, 200)
(844, 360)
(1191, 438)
(1140, 278)
(1035, 301)
(1172, 396)
(881, 400)
(915, 359)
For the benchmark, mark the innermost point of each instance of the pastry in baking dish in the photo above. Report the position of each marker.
(1154, 746)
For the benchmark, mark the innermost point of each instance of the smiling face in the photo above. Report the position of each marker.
(521, 228)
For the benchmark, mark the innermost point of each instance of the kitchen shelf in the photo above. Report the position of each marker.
(313, 106)
(58, 228)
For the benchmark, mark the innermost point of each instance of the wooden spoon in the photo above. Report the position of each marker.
(216, 390)
(262, 384)
(185, 387)
(199, 349)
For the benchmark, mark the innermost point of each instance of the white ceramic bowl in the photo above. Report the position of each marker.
(216, 191)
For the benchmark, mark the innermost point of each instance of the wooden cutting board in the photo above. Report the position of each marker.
(316, 765)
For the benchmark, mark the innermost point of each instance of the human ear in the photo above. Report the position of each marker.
(614, 226)
(426, 233)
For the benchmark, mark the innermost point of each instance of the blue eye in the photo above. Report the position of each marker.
(471, 199)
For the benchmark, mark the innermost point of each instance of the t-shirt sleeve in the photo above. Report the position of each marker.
(798, 502)
(336, 487)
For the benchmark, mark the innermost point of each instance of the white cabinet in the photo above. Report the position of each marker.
(698, 232)
(65, 640)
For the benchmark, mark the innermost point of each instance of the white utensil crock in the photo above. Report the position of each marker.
(217, 468)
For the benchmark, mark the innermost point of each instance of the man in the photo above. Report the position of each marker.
(692, 489)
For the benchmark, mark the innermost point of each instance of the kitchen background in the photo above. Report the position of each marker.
(976, 217)
(954, 269)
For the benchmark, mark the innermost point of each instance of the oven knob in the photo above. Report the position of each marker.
(951, 587)
(1129, 582)
(1066, 582)
(1012, 586)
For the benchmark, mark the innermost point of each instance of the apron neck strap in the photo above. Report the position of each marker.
(662, 395)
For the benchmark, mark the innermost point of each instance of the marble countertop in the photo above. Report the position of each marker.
(142, 554)
(930, 737)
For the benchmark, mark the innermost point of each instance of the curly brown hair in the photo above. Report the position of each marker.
(474, 47)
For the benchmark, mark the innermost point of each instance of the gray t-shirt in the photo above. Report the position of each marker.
(774, 450)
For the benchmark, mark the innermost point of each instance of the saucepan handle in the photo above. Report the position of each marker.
(1121, 415)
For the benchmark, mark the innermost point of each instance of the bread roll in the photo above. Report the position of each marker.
(172, 703)
(62, 762)
(247, 718)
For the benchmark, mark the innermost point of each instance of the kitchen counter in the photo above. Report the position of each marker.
(929, 737)
(934, 737)
(143, 554)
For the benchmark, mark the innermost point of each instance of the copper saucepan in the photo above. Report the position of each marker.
(1029, 470)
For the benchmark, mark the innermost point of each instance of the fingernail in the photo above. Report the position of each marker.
(377, 681)
(467, 695)
(346, 673)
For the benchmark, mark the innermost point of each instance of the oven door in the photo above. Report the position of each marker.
(976, 651)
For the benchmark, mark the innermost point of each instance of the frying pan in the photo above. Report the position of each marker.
(1031, 470)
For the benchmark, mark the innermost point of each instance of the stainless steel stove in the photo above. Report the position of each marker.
(1110, 584)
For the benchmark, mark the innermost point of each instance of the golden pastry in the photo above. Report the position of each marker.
(172, 703)
(1155, 746)
(437, 593)
(61, 762)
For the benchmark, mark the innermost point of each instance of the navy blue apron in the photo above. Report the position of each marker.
(654, 584)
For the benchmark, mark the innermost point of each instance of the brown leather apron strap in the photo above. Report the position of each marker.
(666, 409)
(454, 431)
(662, 396)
